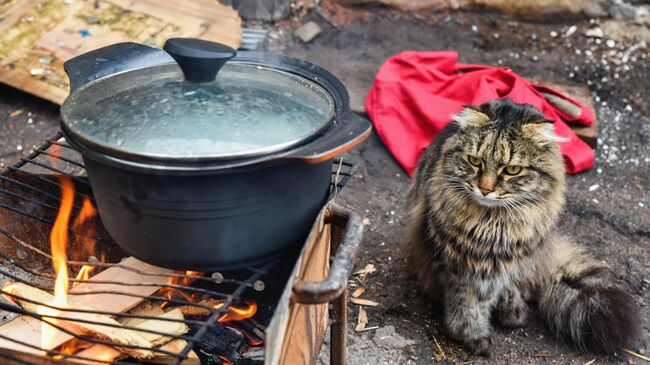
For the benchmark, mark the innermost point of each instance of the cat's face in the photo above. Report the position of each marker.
(504, 155)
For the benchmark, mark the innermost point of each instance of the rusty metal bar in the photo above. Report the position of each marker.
(338, 334)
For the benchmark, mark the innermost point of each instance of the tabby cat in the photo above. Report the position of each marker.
(484, 206)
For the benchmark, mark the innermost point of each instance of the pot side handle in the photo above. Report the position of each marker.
(336, 283)
(112, 59)
(352, 129)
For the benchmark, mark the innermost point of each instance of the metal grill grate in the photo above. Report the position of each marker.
(46, 164)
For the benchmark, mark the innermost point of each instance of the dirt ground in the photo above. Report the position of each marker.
(613, 220)
(607, 208)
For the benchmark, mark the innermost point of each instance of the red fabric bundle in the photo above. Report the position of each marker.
(415, 93)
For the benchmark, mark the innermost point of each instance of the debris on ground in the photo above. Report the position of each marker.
(357, 292)
(308, 31)
(366, 302)
(362, 320)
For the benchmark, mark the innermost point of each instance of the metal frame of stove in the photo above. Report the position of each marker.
(345, 242)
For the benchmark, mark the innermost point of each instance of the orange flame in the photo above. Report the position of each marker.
(84, 274)
(237, 313)
(58, 243)
(225, 360)
(169, 293)
(86, 213)
(71, 347)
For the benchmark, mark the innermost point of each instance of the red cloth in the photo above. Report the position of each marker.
(415, 93)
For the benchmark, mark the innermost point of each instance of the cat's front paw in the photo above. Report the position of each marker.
(480, 346)
(513, 317)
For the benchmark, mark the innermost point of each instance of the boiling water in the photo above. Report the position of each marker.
(246, 110)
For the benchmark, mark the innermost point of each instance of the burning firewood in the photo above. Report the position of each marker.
(175, 328)
(175, 346)
(108, 354)
(194, 311)
(113, 334)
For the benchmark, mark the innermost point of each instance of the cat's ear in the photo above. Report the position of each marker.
(542, 132)
(471, 115)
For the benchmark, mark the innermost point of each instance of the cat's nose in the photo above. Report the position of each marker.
(485, 191)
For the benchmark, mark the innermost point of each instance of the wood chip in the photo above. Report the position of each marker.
(114, 334)
(16, 113)
(590, 362)
(193, 311)
(358, 291)
(369, 269)
(362, 320)
(644, 358)
(366, 302)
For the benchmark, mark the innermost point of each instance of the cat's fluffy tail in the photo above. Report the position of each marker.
(581, 303)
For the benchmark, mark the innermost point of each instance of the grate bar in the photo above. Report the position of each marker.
(342, 172)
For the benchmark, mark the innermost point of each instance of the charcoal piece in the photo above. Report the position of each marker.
(253, 334)
(254, 356)
(219, 341)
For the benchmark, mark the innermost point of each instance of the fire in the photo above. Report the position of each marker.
(71, 347)
(58, 243)
(84, 273)
(169, 293)
(224, 360)
(86, 214)
(237, 313)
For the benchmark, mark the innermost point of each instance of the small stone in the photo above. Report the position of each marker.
(610, 43)
(37, 71)
(92, 20)
(594, 33)
(628, 108)
(594, 187)
(533, 36)
(569, 32)
(554, 34)
(30, 121)
(19, 148)
(534, 58)
(308, 31)
(45, 60)
(474, 28)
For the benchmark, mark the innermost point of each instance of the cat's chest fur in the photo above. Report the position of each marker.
(486, 244)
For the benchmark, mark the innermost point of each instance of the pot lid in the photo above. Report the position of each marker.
(171, 112)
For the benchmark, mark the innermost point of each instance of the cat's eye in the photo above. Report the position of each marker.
(474, 160)
(513, 170)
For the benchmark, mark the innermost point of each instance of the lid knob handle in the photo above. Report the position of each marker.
(200, 60)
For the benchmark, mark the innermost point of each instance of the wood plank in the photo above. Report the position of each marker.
(308, 322)
(104, 331)
(31, 31)
(28, 329)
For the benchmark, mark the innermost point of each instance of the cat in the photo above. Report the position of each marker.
(483, 209)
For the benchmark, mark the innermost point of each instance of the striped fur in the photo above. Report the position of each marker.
(484, 205)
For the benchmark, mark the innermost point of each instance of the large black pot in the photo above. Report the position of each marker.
(205, 212)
